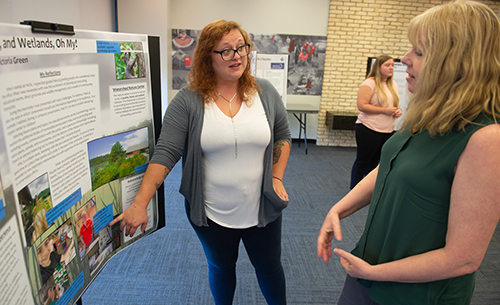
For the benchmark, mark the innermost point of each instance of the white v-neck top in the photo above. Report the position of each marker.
(233, 181)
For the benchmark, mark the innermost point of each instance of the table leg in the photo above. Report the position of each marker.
(305, 132)
(300, 125)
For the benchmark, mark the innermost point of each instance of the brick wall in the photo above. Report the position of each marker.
(358, 29)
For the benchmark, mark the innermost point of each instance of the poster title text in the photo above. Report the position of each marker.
(39, 43)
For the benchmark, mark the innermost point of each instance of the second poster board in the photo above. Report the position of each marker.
(274, 68)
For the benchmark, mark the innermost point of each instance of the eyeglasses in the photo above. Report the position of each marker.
(228, 54)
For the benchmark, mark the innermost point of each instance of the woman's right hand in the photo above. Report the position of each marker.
(356, 199)
(136, 214)
(329, 229)
(133, 217)
(398, 113)
(392, 111)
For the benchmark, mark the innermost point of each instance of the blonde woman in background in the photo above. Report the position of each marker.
(434, 199)
(378, 103)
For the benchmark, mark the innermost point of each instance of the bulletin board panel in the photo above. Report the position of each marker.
(79, 120)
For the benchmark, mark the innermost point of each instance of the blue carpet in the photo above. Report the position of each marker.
(169, 267)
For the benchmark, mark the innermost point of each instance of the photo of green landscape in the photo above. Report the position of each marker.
(118, 156)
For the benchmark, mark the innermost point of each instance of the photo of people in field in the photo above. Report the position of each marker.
(305, 63)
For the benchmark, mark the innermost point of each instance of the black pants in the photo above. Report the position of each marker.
(369, 143)
(354, 293)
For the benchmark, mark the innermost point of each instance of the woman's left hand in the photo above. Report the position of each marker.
(280, 189)
(353, 265)
(398, 113)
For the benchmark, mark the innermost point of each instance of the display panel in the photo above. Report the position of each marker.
(77, 132)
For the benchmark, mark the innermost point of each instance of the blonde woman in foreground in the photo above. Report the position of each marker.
(434, 199)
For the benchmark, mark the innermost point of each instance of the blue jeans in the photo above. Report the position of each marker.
(369, 145)
(263, 246)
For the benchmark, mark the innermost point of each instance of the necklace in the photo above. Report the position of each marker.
(232, 121)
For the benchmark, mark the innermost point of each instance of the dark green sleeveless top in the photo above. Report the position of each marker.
(408, 213)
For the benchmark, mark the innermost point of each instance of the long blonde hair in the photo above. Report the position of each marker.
(379, 83)
(202, 75)
(460, 72)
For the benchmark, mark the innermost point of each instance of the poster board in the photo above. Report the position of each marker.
(77, 131)
(274, 68)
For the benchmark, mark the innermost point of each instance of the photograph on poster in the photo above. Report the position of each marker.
(54, 254)
(118, 156)
(35, 200)
(109, 240)
(84, 226)
(306, 58)
(51, 292)
(115, 235)
(183, 45)
(58, 282)
(130, 62)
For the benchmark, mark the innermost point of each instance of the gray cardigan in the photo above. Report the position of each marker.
(180, 137)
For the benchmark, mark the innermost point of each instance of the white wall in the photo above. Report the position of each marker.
(97, 15)
(259, 16)
(82, 14)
